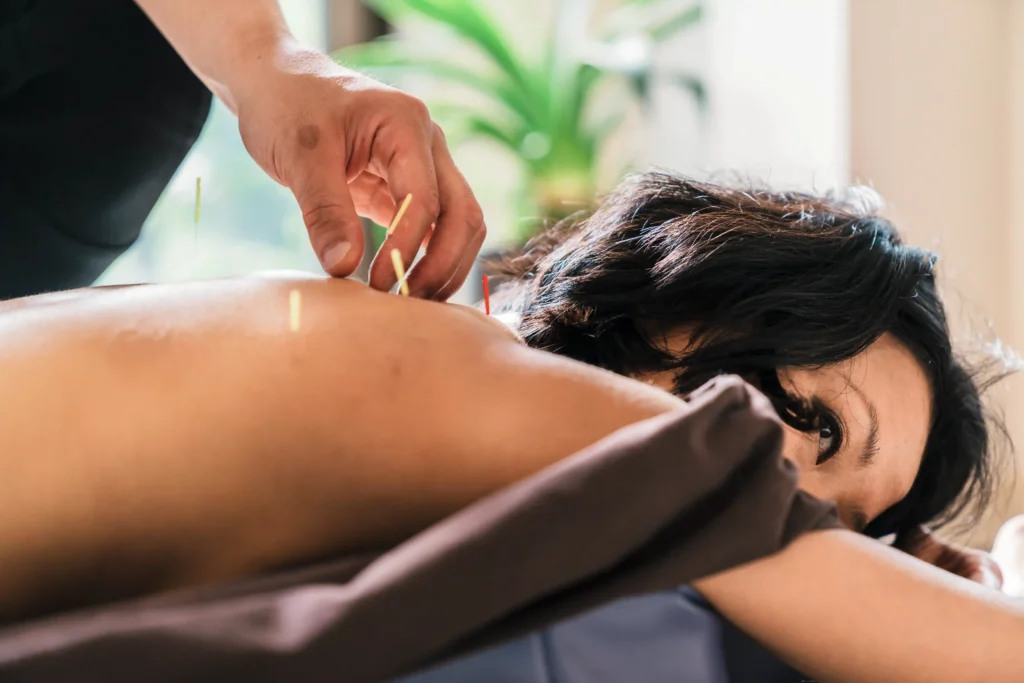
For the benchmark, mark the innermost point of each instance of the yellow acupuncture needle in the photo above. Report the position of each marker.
(396, 256)
(195, 232)
(399, 214)
(199, 194)
(294, 310)
(396, 261)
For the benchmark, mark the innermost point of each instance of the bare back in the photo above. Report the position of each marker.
(190, 433)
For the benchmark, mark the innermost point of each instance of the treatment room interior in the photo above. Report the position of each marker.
(804, 94)
(920, 100)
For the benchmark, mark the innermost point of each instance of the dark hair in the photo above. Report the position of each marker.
(762, 280)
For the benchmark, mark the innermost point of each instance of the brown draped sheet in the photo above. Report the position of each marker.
(651, 507)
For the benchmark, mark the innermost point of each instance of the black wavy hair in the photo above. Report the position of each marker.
(763, 280)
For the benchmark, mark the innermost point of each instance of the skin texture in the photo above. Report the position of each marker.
(344, 144)
(186, 432)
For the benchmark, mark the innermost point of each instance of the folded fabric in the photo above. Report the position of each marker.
(651, 507)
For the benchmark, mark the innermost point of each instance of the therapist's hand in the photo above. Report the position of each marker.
(347, 145)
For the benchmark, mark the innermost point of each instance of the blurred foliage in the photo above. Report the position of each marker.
(543, 109)
(542, 105)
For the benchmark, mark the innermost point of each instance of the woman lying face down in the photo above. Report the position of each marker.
(815, 301)
(170, 436)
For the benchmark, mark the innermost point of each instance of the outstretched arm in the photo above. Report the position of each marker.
(847, 609)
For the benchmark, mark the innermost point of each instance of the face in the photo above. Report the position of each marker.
(877, 409)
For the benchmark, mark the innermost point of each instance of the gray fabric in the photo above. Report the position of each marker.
(666, 637)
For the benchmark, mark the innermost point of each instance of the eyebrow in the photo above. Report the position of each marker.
(867, 455)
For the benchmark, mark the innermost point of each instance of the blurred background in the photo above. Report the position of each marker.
(547, 101)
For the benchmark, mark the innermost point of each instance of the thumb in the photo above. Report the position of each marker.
(335, 230)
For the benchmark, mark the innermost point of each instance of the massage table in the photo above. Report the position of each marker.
(671, 636)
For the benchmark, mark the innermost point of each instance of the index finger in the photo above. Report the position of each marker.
(410, 172)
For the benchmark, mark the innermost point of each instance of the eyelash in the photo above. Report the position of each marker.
(830, 420)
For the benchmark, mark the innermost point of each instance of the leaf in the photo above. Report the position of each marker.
(626, 7)
(385, 55)
(487, 129)
(641, 17)
(640, 82)
(378, 234)
(570, 80)
(467, 19)
(472, 125)
(673, 25)
(391, 11)
(587, 76)
(695, 86)
(525, 89)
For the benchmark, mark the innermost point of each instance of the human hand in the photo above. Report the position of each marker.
(347, 145)
(976, 565)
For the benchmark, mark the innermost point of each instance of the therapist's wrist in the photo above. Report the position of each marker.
(274, 68)
(252, 57)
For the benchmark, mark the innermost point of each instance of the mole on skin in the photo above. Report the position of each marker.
(309, 136)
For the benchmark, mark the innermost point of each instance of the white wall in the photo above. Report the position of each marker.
(777, 76)
(937, 116)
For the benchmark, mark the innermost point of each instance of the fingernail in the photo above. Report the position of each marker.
(335, 254)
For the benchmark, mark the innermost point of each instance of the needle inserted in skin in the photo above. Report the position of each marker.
(294, 310)
(396, 261)
(487, 296)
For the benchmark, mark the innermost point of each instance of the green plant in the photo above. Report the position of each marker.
(543, 109)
